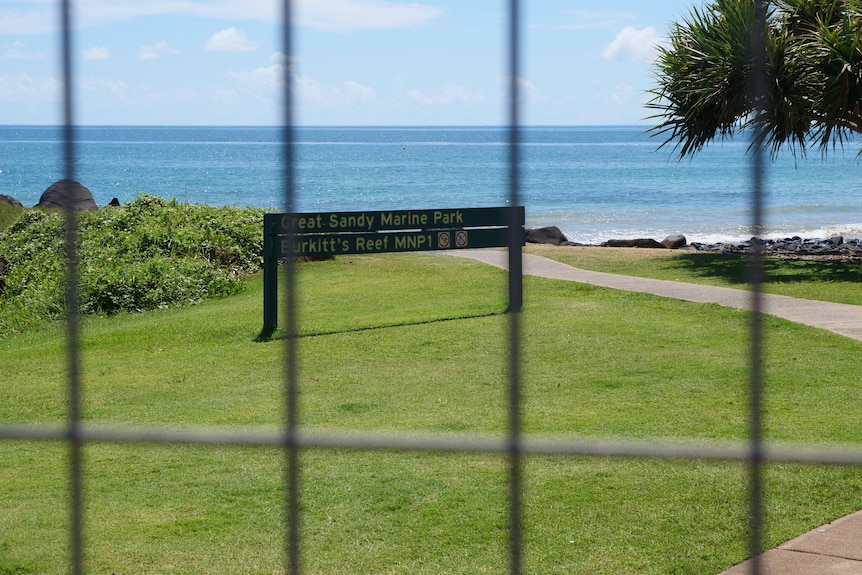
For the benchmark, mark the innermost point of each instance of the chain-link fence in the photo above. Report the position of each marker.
(293, 440)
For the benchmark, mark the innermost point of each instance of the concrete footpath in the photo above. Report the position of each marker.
(834, 548)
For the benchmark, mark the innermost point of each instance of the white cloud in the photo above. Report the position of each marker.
(619, 94)
(37, 21)
(271, 76)
(344, 15)
(97, 53)
(357, 92)
(25, 87)
(448, 94)
(18, 51)
(280, 58)
(350, 93)
(105, 85)
(633, 45)
(230, 40)
(527, 91)
(263, 83)
(39, 17)
(266, 82)
(592, 20)
(524, 85)
(156, 51)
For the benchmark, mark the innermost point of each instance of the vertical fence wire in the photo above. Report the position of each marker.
(291, 374)
(515, 292)
(75, 445)
(757, 87)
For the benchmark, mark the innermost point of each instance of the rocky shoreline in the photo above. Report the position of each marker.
(834, 248)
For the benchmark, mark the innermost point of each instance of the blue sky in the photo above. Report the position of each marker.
(357, 62)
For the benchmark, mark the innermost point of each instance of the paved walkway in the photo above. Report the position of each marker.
(833, 549)
(844, 319)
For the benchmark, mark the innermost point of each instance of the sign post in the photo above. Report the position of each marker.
(287, 235)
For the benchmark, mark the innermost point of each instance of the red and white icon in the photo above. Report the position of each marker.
(461, 239)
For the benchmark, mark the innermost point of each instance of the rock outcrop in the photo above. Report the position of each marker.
(835, 247)
(549, 235)
(62, 192)
(10, 200)
(636, 243)
(674, 242)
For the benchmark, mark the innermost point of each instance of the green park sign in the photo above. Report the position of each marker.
(294, 235)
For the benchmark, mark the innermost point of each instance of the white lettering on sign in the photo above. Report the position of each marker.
(352, 221)
(448, 217)
(372, 245)
(292, 223)
(317, 245)
(413, 242)
(404, 220)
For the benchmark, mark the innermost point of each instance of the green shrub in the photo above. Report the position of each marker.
(151, 253)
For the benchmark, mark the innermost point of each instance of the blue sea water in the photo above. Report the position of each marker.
(594, 183)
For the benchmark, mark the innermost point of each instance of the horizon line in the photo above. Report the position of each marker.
(337, 126)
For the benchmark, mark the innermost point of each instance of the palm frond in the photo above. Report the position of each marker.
(703, 75)
(813, 66)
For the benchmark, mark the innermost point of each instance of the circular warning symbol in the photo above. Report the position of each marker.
(444, 239)
(461, 239)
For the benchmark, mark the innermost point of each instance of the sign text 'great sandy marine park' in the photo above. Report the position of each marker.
(345, 233)
(342, 233)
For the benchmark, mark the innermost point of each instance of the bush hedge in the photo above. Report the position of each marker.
(150, 253)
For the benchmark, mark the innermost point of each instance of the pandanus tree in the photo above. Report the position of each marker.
(812, 59)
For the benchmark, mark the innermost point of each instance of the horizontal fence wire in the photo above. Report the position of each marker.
(544, 446)
(292, 439)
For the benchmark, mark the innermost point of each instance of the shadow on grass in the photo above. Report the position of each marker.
(735, 270)
(278, 334)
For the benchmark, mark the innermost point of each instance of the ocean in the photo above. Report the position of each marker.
(594, 183)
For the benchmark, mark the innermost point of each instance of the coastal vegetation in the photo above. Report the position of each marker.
(151, 253)
(416, 343)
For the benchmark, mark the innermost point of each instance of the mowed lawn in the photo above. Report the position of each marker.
(821, 279)
(408, 344)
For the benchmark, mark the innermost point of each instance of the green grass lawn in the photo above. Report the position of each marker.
(8, 214)
(834, 281)
(416, 343)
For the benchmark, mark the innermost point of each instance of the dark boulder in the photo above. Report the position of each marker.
(636, 243)
(549, 235)
(674, 242)
(63, 191)
(11, 201)
(114, 203)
